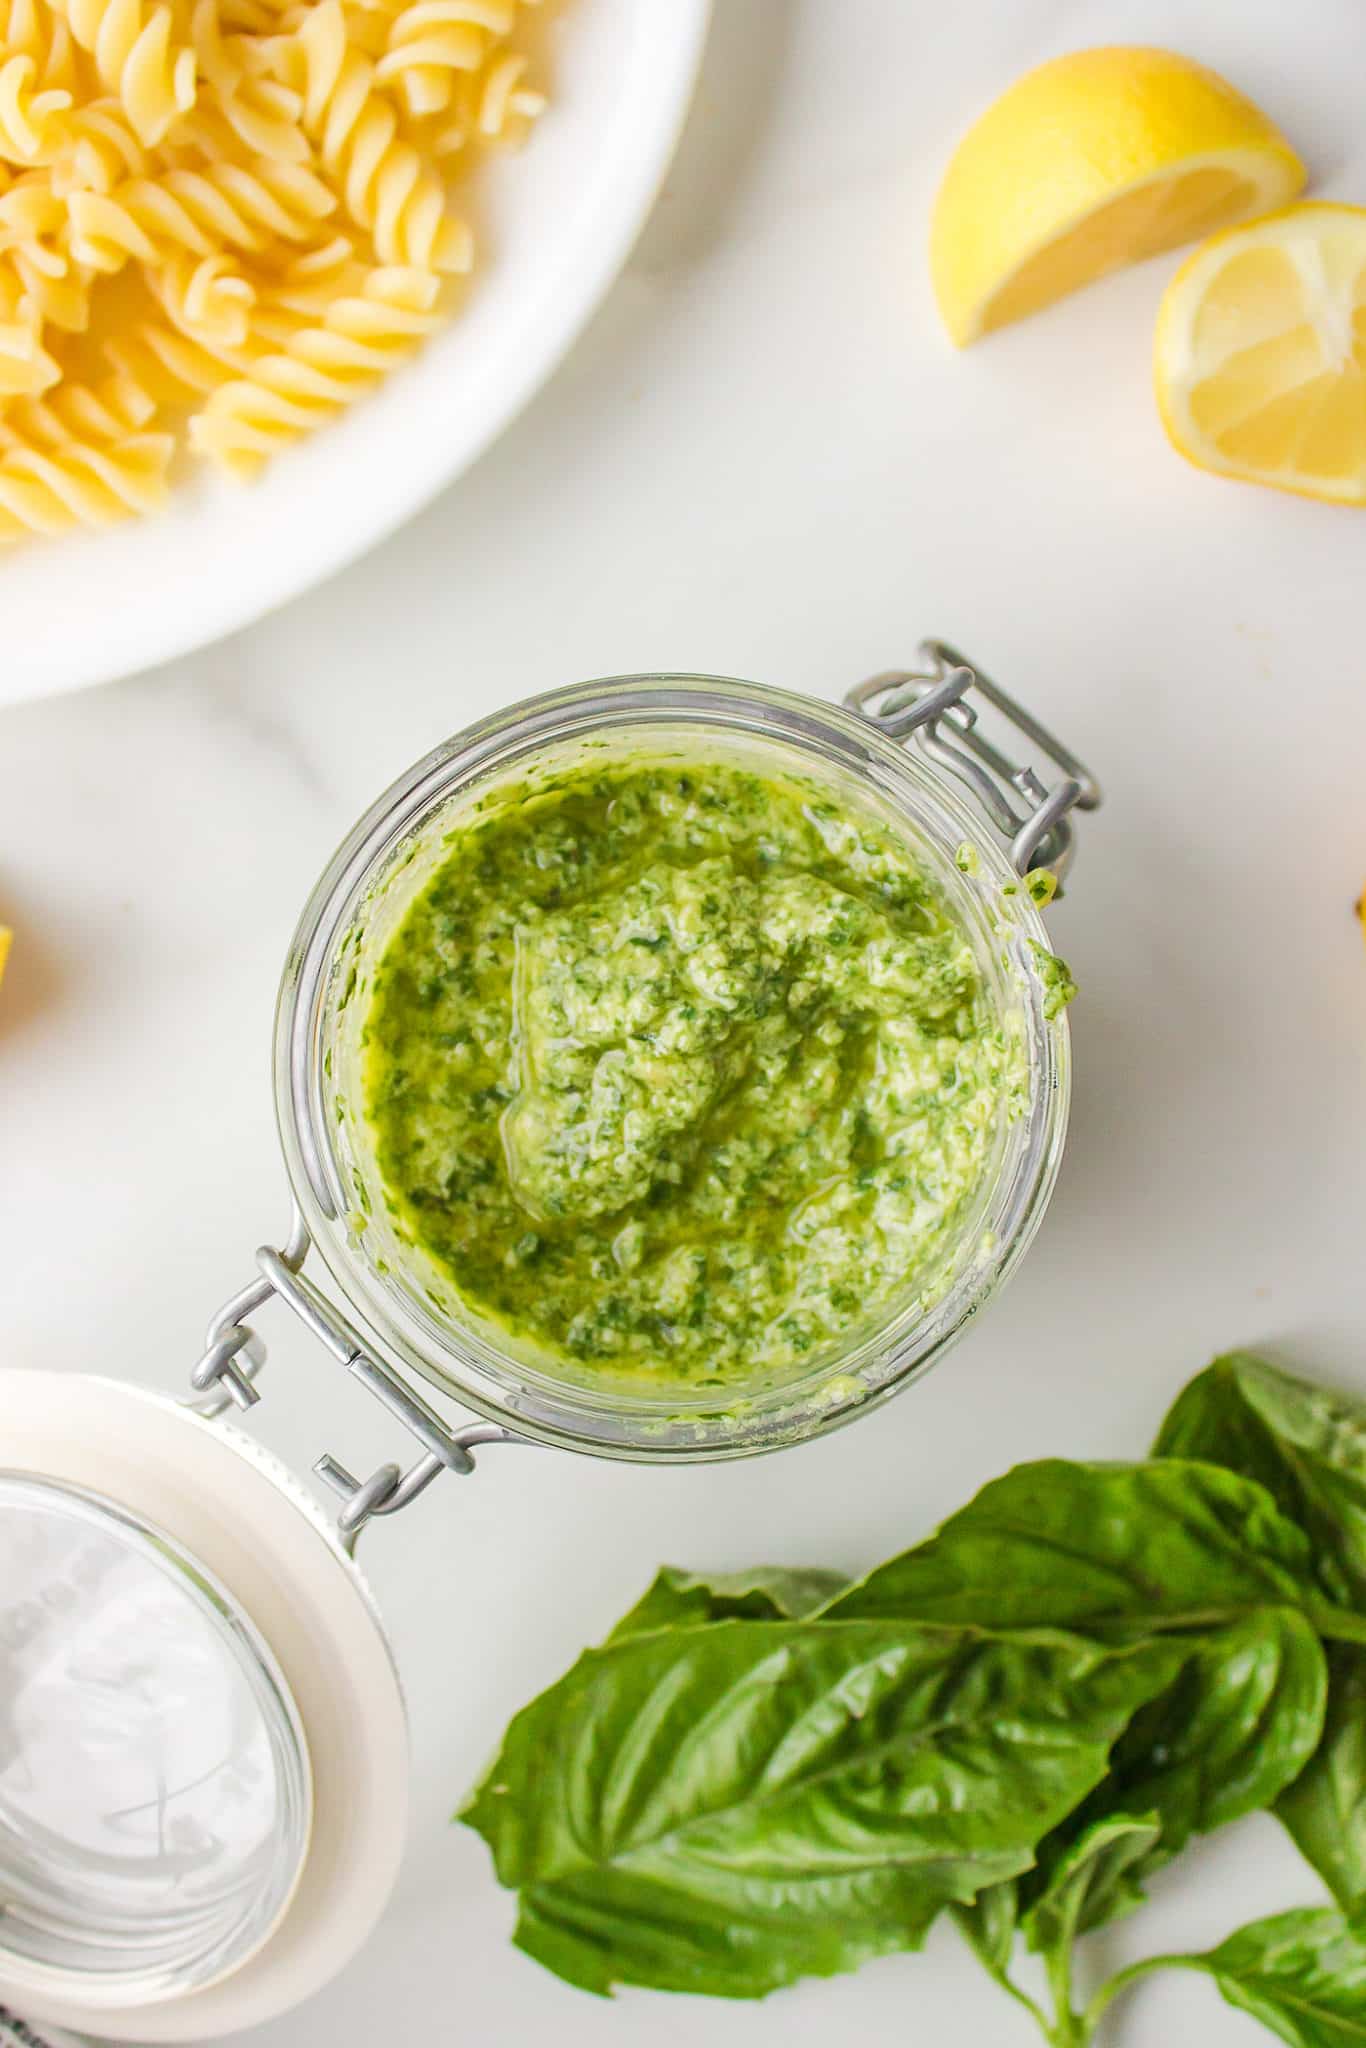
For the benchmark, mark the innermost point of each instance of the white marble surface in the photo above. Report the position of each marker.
(763, 459)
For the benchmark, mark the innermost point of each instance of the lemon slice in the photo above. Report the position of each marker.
(1091, 162)
(1261, 353)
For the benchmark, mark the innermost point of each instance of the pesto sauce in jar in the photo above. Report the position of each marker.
(681, 1072)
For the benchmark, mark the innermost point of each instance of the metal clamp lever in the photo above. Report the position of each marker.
(226, 1373)
(921, 702)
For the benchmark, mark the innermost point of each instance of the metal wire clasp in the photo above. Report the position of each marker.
(922, 702)
(226, 1377)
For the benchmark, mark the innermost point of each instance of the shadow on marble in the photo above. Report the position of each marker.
(33, 980)
(737, 90)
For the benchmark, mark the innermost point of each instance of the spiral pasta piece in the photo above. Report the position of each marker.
(323, 369)
(432, 39)
(27, 110)
(53, 292)
(225, 54)
(30, 215)
(28, 28)
(503, 95)
(208, 300)
(50, 491)
(258, 115)
(41, 285)
(490, 105)
(111, 410)
(93, 148)
(226, 205)
(168, 368)
(26, 367)
(135, 58)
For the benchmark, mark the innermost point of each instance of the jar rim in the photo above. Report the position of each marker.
(497, 1383)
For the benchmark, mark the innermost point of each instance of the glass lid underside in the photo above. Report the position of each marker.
(154, 1783)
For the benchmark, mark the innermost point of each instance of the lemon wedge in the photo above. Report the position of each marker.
(1093, 161)
(1261, 353)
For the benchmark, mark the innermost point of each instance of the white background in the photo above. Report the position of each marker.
(763, 459)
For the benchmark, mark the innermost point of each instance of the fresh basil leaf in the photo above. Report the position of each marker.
(1115, 1547)
(1307, 1446)
(726, 1809)
(1325, 1808)
(1238, 1725)
(1304, 1444)
(990, 1922)
(681, 1599)
(1302, 1974)
(1093, 1881)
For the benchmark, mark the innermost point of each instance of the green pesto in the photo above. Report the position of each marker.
(683, 1072)
(1056, 976)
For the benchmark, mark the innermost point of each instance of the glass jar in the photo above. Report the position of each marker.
(397, 1299)
(215, 1842)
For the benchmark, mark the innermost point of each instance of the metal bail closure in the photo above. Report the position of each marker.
(226, 1374)
(931, 704)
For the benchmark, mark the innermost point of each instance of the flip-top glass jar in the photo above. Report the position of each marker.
(403, 1302)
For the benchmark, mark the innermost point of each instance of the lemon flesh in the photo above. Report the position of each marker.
(1091, 162)
(1261, 353)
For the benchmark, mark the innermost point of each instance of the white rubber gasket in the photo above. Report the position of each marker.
(254, 1529)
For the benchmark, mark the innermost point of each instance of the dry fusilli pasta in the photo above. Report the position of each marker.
(432, 40)
(29, 28)
(222, 221)
(320, 369)
(81, 483)
(136, 58)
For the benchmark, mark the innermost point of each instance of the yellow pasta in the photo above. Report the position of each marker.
(433, 39)
(81, 484)
(52, 294)
(95, 414)
(168, 369)
(224, 206)
(92, 149)
(27, 111)
(320, 370)
(387, 188)
(221, 222)
(137, 59)
(29, 28)
(26, 368)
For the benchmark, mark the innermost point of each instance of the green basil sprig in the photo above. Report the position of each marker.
(728, 1807)
(1307, 1447)
(776, 1774)
(1302, 1974)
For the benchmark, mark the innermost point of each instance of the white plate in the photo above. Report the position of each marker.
(557, 220)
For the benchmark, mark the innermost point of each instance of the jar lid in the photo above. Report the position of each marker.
(203, 1746)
